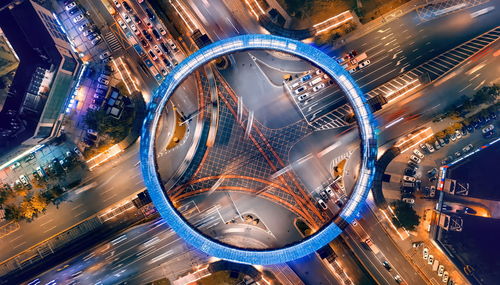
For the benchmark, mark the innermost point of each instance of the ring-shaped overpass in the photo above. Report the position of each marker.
(210, 246)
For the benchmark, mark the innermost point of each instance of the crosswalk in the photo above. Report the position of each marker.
(430, 70)
(112, 41)
(339, 158)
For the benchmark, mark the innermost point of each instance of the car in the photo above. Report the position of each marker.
(104, 55)
(15, 165)
(318, 87)
(78, 18)
(144, 43)
(162, 31)
(458, 154)
(171, 43)
(413, 164)
(167, 63)
(117, 3)
(470, 128)
(408, 200)
(164, 48)
(306, 78)
(409, 178)
(463, 131)
(148, 23)
(96, 40)
(432, 172)
(137, 20)
(122, 24)
(74, 11)
(364, 63)
(425, 252)
(323, 196)
(92, 36)
(437, 145)
(127, 6)
(103, 81)
(398, 279)
(387, 265)
(432, 193)
(148, 37)
(487, 129)
(418, 153)
(409, 171)
(24, 180)
(430, 260)
(29, 157)
(468, 148)
(150, 14)
(440, 270)
(156, 34)
(322, 204)
(135, 30)
(77, 151)
(157, 49)
(303, 97)
(300, 90)
(415, 159)
(453, 137)
(70, 6)
(446, 277)
(430, 147)
(446, 140)
(81, 28)
(329, 191)
(126, 18)
(153, 55)
(163, 71)
(87, 32)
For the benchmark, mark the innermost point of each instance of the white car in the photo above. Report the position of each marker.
(329, 191)
(127, 18)
(467, 148)
(303, 97)
(430, 147)
(430, 260)
(319, 71)
(122, 24)
(318, 87)
(441, 270)
(425, 253)
(164, 72)
(70, 6)
(408, 200)
(157, 49)
(459, 134)
(418, 153)
(488, 128)
(83, 27)
(446, 276)
(415, 159)
(117, 3)
(78, 18)
(409, 178)
(134, 29)
(322, 204)
(162, 31)
(364, 63)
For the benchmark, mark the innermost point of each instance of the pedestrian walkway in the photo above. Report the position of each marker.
(441, 8)
(112, 42)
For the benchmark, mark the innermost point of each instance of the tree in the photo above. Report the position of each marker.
(39, 203)
(487, 94)
(406, 217)
(27, 209)
(12, 213)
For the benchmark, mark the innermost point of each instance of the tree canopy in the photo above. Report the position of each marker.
(406, 217)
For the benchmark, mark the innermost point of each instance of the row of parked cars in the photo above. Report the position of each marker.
(56, 167)
(441, 272)
(78, 17)
(314, 81)
(102, 87)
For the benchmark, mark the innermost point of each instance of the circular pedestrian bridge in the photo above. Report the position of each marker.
(216, 248)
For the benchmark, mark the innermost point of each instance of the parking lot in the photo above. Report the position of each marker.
(76, 24)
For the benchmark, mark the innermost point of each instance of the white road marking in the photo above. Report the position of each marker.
(46, 222)
(49, 229)
(390, 42)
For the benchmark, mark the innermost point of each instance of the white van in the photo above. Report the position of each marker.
(315, 81)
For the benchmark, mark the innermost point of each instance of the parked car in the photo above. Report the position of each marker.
(322, 204)
(418, 153)
(318, 87)
(78, 18)
(408, 200)
(415, 159)
(74, 11)
(364, 64)
(70, 6)
(487, 129)
(300, 90)
(409, 178)
(306, 78)
(440, 270)
(122, 24)
(303, 97)
(162, 31)
(409, 171)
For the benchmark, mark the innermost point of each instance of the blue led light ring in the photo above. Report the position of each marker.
(231, 45)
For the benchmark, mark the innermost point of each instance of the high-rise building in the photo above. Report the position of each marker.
(44, 78)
